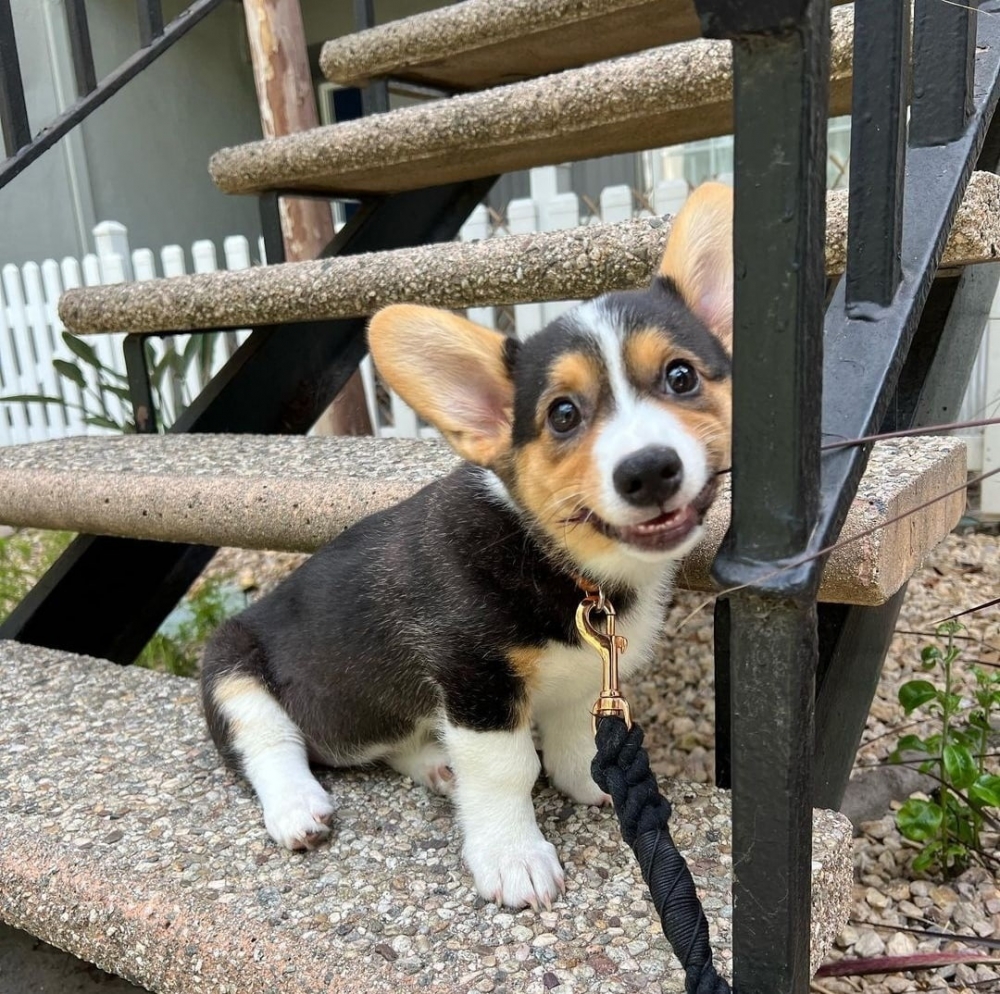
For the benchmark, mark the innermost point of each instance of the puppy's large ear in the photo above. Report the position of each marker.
(453, 373)
(699, 257)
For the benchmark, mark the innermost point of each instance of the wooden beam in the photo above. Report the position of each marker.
(287, 104)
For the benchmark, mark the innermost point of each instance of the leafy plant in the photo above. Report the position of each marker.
(948, 825)
(168, 377)
(177, 646)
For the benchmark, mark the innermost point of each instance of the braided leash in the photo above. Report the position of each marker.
(621, 769)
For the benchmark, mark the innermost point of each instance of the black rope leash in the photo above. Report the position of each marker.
(621, 769)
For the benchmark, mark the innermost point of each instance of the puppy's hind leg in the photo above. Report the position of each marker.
(257, 737)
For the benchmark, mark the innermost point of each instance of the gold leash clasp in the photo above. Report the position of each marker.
(611, 702)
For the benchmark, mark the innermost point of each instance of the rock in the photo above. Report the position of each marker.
(869, 944)
(876, 899)
(900, 944)
(870, 793)
(847, 937)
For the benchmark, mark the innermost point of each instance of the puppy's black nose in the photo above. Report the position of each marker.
(650, 476)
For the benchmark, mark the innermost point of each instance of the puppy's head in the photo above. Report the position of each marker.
(608, 427)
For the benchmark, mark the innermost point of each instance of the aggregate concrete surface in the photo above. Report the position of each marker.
(126, 843)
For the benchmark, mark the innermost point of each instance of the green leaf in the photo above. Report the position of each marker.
(927, 857)
(98, 422)
(82, 350)
(929, 655)
(31, 398)
(910, 743)
(986, 791)
(916, 693)
(919, 821)
(959, 766)
(71, 371)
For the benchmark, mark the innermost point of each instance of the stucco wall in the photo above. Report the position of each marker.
(142, 157)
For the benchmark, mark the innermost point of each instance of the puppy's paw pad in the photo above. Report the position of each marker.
(441, 779)
(517, 876)
(303, 819)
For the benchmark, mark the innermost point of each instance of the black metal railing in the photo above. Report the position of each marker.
(155, 38)
(796, 679)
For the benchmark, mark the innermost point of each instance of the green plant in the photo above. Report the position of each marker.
(167, 377)
(948, 825)
(24, 556)
(177, 646)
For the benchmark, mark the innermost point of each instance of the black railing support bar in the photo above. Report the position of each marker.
(150, 14)
(80, 47)
(781, 58)
(13, 110)
(865, 357)
(269, 207)
(107, 88)
(944, 48)
(140, 389)
(878, 149)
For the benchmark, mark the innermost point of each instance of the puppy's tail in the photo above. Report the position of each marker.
(234, 661)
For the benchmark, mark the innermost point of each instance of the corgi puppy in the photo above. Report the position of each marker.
(434, 635)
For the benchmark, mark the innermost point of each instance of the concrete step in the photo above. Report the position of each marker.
(292, 493)
(559, 265)
(661, 97)
(483, 43)
(126, 844)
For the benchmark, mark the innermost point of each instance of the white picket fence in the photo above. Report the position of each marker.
(31, 333)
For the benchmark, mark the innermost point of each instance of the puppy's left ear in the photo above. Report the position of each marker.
(699, 257)
(455, 374)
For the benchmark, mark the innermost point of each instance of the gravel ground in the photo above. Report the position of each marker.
(893, 905)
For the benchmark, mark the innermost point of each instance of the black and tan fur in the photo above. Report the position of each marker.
(432, 634)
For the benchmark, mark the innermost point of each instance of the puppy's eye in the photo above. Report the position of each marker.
(680, 377)
(564, 416)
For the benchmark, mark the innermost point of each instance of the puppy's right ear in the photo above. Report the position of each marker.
(455, 374)
(699, 257)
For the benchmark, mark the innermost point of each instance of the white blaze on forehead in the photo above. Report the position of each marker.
(635, 422)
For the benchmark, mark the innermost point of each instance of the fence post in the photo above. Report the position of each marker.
(110, 240)
(616, 203)
(668, 196)
(522, 219)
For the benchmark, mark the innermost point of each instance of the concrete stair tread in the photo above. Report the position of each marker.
(559, 265)
(660, 97)
(294, 493)
(482, 43)
(126, 844)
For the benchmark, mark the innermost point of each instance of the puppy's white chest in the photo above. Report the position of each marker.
(569, 672)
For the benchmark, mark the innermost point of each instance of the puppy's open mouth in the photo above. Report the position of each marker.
(659, 534)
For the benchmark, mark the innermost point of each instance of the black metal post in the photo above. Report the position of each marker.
(140, 389)
(781, 72)
(944, 46)
(878, 149)
(107, 596)
(150, 14)
(80, 47)
(13, 111)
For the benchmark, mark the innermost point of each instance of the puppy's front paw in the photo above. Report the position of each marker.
(517, 875)
(302, 818)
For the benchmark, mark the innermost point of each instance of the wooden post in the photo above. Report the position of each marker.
(287, 105)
